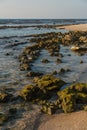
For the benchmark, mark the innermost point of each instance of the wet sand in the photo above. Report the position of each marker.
(79, 27)
(72, 121)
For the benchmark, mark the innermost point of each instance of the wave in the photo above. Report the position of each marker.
(38, 21)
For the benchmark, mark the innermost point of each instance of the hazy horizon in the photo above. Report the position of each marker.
(47, 9)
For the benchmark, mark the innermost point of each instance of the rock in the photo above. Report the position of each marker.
(7, 115)
(7, 54)
(22, 57)
(49, 83)
(45, 61)
(67, 37)
(12, 111)
(68, 70)
(31, 93)
(62, 71)
(49, 108)
(54, 72)
(27, 92)
(69, 54)
(81, 61)
(83, 39)
(78, 48)
(4, 96)
(68, 103)
(75, 48)
(59, 60)
(33, 74)
(43, 88)
(25, 66)
(3, 118)
(73, 96)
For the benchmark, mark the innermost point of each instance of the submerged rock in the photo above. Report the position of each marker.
(33, 74)
(4, 96)
(3, 118)
(59, 60)
(45, 61)
(54, 72)
(81, 62)
(62, 70)
(25, 66)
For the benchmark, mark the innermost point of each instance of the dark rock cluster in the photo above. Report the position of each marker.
(70, 99)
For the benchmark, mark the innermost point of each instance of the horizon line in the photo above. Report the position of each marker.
(46, 18)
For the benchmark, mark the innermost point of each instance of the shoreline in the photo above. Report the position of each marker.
(76, 27)
(72, 121)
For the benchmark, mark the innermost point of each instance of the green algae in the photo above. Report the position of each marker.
(70, 99)
(72, 96)
(30, 93)
(49, 83)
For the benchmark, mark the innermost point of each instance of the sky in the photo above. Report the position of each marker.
(57, 9)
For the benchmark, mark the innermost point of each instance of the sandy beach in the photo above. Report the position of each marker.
(72, 121)
(79, 27)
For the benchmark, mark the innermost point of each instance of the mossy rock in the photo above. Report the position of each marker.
(49, 108)
(42, 88)
(73, 96)
(4, 97)
(75, 88)
(81, 98)
(79, 87)
(49, 83)
(31, 93)
(68, 103)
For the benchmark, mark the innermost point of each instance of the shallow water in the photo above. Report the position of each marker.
(69, 61)
(10, 74)
(23, 32)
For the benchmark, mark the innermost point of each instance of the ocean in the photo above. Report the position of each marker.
(21, 27)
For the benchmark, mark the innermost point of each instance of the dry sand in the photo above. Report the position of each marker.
(79, 27)
(72, 121)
